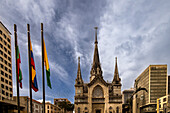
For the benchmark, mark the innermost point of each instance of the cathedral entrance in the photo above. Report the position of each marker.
(98, 111)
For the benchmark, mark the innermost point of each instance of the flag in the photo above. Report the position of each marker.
(19, 73)
(34, 79)
(47, 66)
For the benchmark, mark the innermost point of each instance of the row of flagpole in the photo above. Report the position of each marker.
(32, 73)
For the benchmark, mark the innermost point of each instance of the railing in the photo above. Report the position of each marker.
(115, 99)
(98, 100)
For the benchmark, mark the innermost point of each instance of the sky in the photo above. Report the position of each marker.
(135, 31)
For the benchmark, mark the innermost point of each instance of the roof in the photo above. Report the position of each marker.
(5, 28)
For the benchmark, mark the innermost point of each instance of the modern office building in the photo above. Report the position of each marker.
(97, 96)
(6, 89)
(154, 80)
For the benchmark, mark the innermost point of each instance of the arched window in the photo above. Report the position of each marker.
(78, 110)
(85, 108)
(98, 92)
(117, 109)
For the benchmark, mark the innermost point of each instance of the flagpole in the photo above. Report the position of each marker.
(15, 34)
(43, 83)
(29, 60)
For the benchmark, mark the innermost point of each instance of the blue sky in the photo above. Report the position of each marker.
(136, 31)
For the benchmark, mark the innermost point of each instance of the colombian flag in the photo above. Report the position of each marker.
(47, 66)
(34, 79)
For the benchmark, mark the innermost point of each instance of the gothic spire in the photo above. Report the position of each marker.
(79, 79)
(116, 78)
(96, 68)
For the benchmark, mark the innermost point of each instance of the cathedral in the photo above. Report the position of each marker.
(97, 96)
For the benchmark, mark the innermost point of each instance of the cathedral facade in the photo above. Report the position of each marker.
(97, 96)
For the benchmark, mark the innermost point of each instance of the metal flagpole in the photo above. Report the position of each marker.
(15, 35)
(29, 60)
(43, 83)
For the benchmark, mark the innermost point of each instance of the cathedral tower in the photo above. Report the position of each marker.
(96, 67)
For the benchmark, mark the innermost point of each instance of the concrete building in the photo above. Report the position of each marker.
(126, 98)
(51, 108)
(6, 89)
(97, 96)
(163, 104)
(37, 106)
(154, 80)
(59, 101)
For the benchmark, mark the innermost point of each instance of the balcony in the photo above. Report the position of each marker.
(115, 99)
(98, 100)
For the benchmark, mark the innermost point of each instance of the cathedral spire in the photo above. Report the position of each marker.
(79, 79)
(116, 78)
(96, 68)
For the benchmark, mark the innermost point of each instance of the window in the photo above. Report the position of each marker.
(2, 72)
(5, 55)
(10, 77)
(9, 58)
(9, 53)
(10, 89)
(0, 38)
(78, 110)
(0, 32)
(9, 64)
(6, 81)
(117, 110)
(9, 46)
(2, 86)
(6, 75)
(48, 107)
(1, 59)
(6, 87)
(4, 42)
(2, 66)
(3, 92)
(5, 48)
(9, 71)
(1, 52)
(5, 62)
(2, 79)
(10, 95)
(6, 93)
(8, 40)
(10, 83)
(1, 45)
(6, 69)
(4, 36)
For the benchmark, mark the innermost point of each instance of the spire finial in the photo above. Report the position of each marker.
(78, 59)
(116, 78)
(79, 78)
(96, 35)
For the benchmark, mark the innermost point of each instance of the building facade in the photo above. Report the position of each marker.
(126, 99)
(97, 96)
(154, 80)
(61, 102)
(6, 89)
(51, 108)
(163, 104)
(37, 106)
